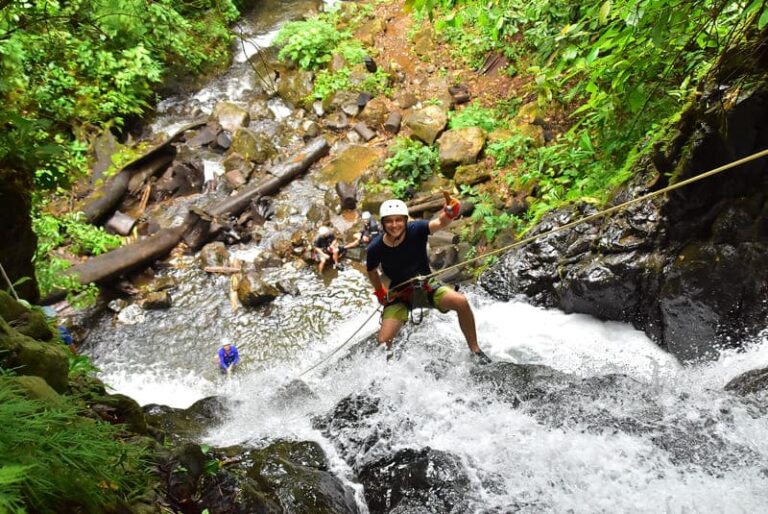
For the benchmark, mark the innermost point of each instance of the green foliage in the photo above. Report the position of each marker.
(620, 68)
(50, 269)
(509, 150)
(328, 82)
(55, 461)
(309, 43)
(64, 65)
(81, 365)
(411, 162)
(474, 115)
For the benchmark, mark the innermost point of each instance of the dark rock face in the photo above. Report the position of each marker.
(750, 382)
(17, 241)
(424, 481)
(687, 268)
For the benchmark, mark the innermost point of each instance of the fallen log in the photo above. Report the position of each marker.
(105, 199)
(281, 175)
(106, 267)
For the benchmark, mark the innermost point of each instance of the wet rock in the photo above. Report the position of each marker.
(425, 124)
(186, 424)
(213, 255)
(751, 382)
(253, 146)
(156, 300)
(294, 476)
(118, 408)
(693, 317)
(310, 129)
(337, 121)
(204, 136)
(293, 393)
(120, 223)
(183, 177)
(234, 179)
(424, 481)
(460, 146)
(343, 427)
(223, 140)
(295, 87)
(231, 116)
(253, 291)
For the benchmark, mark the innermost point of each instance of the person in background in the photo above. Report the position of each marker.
(401, 252)
(327, 248)
(228, 356)
(62, 331)
(368, 233)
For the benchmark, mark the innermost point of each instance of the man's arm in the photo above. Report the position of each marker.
(439, 223)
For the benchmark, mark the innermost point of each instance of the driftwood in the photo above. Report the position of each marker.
(104, 200)
(392, 125)
(111, 265)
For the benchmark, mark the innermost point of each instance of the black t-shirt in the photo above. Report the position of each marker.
(371, 229)
(324, 242)
(407, 260)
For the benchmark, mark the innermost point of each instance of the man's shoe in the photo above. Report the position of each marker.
(480, 358)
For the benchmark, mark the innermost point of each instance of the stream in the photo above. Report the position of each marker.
(621, 427)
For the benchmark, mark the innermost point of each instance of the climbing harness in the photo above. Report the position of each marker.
(425, 279)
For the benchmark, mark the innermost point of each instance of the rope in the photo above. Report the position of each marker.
(596, 215)
(8, 280)
(342, 345)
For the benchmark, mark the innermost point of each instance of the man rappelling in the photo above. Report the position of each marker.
(401, 251)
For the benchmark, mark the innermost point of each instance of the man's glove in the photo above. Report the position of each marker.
(381, 295)
(452, 206)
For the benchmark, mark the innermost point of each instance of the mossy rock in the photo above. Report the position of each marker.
(26, 321)
(29, 357)
(118, 408)
(34, 388)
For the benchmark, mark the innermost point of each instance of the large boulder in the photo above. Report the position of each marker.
(230, 116)
(427, 123)
(295, 87)
(27, 356)
(460, 146)
(425, 481)
(252, 146)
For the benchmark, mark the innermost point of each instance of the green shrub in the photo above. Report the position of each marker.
(411, 162)
(473, 115)
(52, 460)
(309, 43)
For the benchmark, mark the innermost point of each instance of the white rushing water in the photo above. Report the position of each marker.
(513, 457)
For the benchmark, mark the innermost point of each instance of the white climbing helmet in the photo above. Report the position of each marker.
(225, 341)
(366, 215)
(324, 231)
(393, 208)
